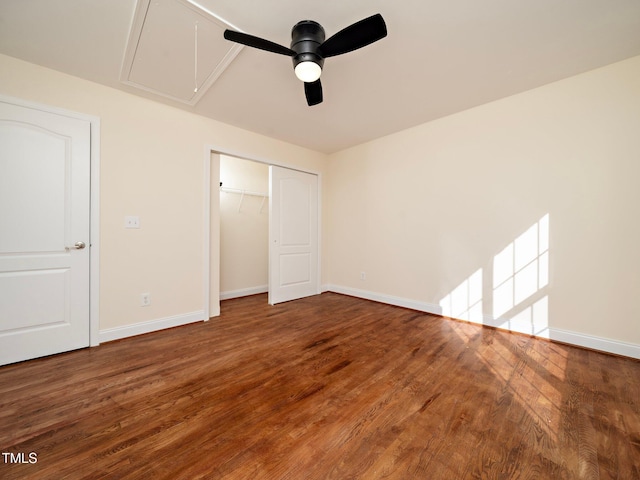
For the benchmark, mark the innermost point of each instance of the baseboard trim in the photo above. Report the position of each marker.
(595, 343)
(244, 292)
(388, 299)
(118, 333)
(572, 338)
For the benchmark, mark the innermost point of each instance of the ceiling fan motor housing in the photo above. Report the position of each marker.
(306, 38)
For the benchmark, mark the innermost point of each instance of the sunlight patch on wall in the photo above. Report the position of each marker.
(465, 301)
(517, 292)
(533, 320)
(520, 271)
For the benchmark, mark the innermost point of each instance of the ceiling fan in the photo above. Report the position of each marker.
(309, 47)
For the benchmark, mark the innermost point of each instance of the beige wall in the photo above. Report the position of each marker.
(244, 227)
(422, 210)
(152, 165)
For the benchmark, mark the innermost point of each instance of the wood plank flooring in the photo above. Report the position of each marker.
(327, 387)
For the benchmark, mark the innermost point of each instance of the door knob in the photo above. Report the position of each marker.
(79, 245)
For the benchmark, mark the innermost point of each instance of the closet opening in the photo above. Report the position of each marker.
(244, 227)
(262, 230)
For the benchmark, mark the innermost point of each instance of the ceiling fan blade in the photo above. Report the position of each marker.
(313, 92)
(256, 42)
(355, 36)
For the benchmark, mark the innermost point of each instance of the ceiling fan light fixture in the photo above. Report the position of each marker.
(308, 71)
(309, 48)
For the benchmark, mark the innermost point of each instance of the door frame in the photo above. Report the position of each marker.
(212, 177)
(94, 207)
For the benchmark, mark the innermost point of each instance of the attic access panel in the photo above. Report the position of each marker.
(161, 52)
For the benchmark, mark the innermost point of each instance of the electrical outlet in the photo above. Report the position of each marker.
(145, 299)
(131, 222)
(363, 275)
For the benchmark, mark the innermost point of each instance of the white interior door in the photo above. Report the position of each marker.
(44, 233)
(293, 234)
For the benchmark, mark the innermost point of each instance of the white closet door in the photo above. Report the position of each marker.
(293, 234)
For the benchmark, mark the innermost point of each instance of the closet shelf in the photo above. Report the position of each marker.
(242, 194)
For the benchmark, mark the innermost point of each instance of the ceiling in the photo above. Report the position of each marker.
(440, 57)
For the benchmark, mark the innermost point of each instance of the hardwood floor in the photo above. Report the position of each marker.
(327, 387)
